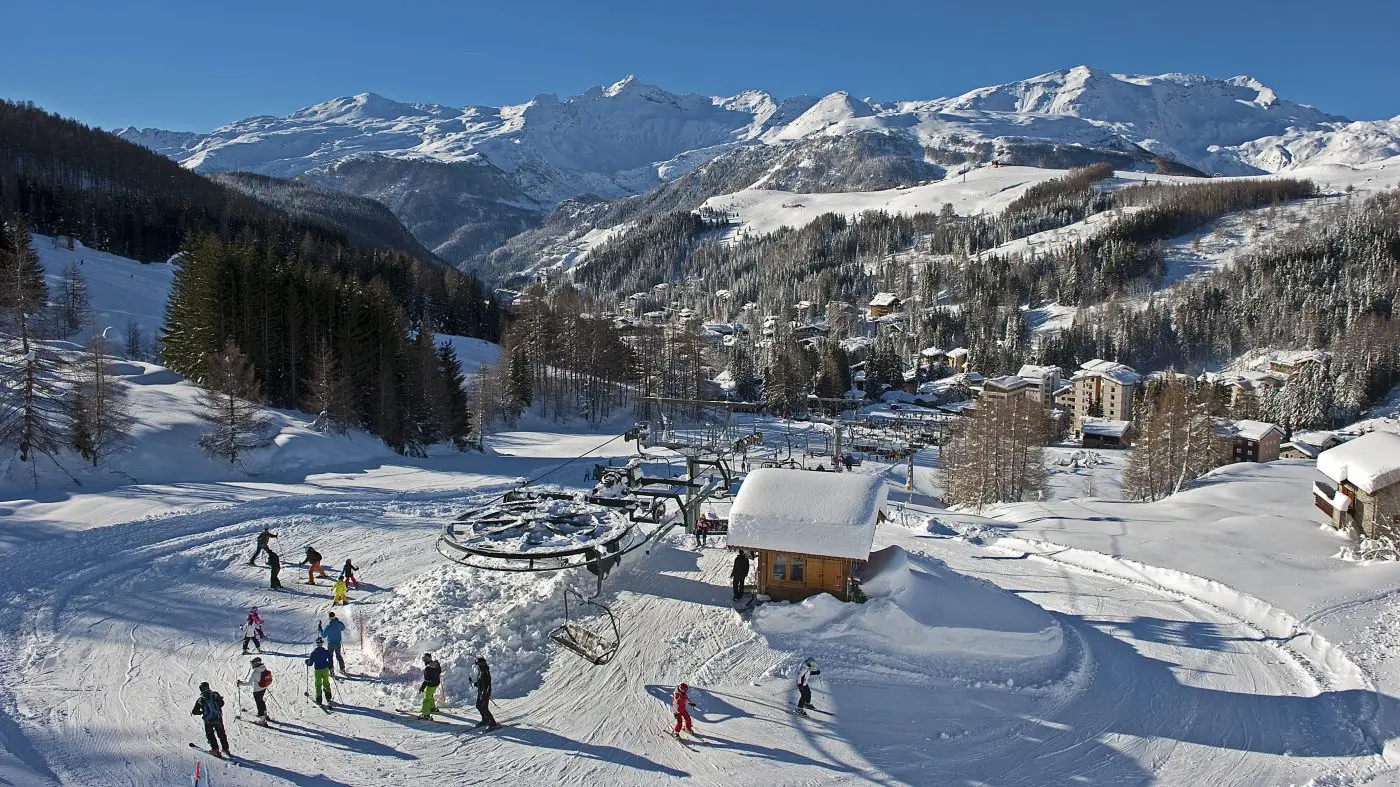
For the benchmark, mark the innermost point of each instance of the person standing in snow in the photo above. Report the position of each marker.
(432, 678)
(804, 688)
(252, 633)
(334, 630)
(739, 573)
(260, 678)
(339, 593)
(313, 559)
(347, 573)
(210, 708)
(320, 662)
(680, 706)
(274, 567)
(482, 682)
(263, 537)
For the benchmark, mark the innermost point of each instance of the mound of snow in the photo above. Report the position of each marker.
(921, 620)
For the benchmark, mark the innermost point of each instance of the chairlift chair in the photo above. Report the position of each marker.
(593, 645)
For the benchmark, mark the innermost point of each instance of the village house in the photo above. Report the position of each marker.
(1289, 364)
(883, 305)
(1044, 382)
(1006, 387)
(1101, 388)
(1366, 497)
(1104, 433)
(1307, 445)
(1249, 441)
(811, 530)
(957, 359)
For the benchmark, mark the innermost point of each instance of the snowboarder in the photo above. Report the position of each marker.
(320, 661)
(274, 566)
(432, 678)
(681, 705)
(334, 630)
(347, 573)
(482, 682)
(263, 538)
(338, 593)
(260, 678)
(313, 559)
(210, 707)
(740, 573)
(804, 689)
(252, 633)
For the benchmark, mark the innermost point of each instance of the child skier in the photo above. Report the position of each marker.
(259, 678)
(210, 708)
(804, 689)
(313, 558)
(482, 682)
(680, 706)
(347, 573)
(432, 678)
(339, 591)
(320, 661)
(334, 630)
(252, 633)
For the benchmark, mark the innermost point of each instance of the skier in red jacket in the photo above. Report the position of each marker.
(681, 705)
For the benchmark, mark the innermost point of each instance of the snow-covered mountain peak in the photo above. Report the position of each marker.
(832, 110)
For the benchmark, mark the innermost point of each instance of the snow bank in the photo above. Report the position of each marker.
(922, 620)
(807, 512)
(458, 613)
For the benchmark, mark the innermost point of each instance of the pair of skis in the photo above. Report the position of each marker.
(225, 756)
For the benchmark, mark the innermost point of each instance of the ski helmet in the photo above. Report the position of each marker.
(427, 657)
(257, 661)
(204, 686)
(320, 640)
(811, 662)
(481, 660)
(683, 687)
(253, 609)
(332, 614)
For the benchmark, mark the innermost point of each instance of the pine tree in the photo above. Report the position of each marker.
(328, 392)
(519, 388)
(135, 341)
(98, 408)
(229, 401)
(743, 372)
(71, 304)
(457, 424)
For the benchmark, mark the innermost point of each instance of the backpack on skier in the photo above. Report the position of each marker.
(265, 679)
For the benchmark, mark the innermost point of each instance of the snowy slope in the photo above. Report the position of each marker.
(120, 289)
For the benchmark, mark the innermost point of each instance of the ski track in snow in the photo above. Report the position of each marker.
(110, 629)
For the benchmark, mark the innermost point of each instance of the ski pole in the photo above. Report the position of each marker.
(308, 682)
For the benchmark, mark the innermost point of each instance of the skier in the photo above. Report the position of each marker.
(681, 705)
(252, 632)
(313, 558)
(260, 678)
(334, 629)
(263, 538)
(804, 689)
(339, 591)
(482, 682)
(274, 565)
(432, 678)
(320, 661)
(210, 707)
(347, 573)
(739, 573)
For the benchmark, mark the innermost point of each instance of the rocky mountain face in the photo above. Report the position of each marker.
(466, 180)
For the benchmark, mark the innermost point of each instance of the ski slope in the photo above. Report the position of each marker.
(1119, 662)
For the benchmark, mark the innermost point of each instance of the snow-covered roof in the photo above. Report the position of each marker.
(1007, 382)
(1255, 430)
(807, 512)
(1120, 373)
(931, 352)
(1311, 444)
(1033, 372)
(1105, 427)
(1371, 462)
(884, 299)
(958, 352)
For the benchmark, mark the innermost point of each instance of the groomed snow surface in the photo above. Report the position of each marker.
(1210, 638)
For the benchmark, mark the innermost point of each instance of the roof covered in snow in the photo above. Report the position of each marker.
(807, 512)
(1105, 427)
(1371, 462)
(1120, 373)
(885, 299)
(1255, 430)
(1313, 443)
(1033, 372)
(958, 352)
(1008, 382)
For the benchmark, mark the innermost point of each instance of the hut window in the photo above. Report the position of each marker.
(798, 572)
(780, 567)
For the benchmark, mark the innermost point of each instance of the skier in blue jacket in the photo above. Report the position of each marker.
(320, 661)
(334, 630)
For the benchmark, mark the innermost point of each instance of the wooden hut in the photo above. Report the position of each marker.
(810, 530)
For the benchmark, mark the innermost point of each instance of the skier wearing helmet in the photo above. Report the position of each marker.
(681, 705)
(432, 678)
(804, 688)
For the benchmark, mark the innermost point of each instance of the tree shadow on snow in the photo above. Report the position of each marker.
(345, 742)
(292, 777)
(547, 739)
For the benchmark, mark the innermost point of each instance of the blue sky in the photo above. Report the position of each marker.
(195, 65)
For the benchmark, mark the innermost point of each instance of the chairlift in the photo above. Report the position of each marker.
(595, 645)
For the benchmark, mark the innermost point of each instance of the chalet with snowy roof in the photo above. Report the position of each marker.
(957, 359)
(1289, 364)
(1105, 433)
(1307, 445)
(811, 530)
(883, 305)
(1249, 441)
(1366, 495)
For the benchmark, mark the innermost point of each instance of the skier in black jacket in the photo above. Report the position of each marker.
(263, 538)
(210, 707)
(432, 678)
(482, 682)
(739, 573)
(274, 565)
